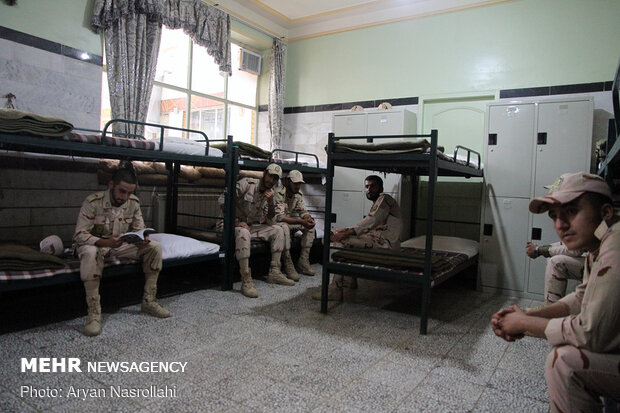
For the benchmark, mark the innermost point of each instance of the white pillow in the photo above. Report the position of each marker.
(442, 243)
(186, 147)
(177, 246)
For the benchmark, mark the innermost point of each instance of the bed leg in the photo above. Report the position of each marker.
(426, 301)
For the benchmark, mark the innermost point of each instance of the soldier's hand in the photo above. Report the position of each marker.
(242, 224)
(112, 242)
(269, 195)
(309, 222)
(530, 250)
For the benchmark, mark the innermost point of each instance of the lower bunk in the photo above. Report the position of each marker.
(176, 251)
(450, 256)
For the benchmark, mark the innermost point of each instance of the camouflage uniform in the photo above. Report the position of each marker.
(562, 264)
(252, 209)
(293, 207)
(585, 360)
(99, 219)
(381, 228)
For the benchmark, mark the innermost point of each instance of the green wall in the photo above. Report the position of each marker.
(517, 44)
(63, 21)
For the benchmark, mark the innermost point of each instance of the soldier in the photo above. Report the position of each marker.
(381, 228)
(562, 264)
(583, 326)
(255, 218)
(293, 216)
(103, 217)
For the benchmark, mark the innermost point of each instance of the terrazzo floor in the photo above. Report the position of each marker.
(278, 353)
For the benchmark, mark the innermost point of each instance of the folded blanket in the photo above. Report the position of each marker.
(246, 149)
(15, 121)
(413, 145)
(15, 257)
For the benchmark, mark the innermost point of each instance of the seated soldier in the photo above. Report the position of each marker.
(562, 264)
(381, 229)
(583, 326)
(103, 217)
(292, 215)
(255, 216)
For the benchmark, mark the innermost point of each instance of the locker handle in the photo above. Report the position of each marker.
(488, 230)
(536, 233)
(492, 138)
(333, 218)
(542, 138)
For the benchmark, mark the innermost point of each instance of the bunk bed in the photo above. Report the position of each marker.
(107, 144)
(412, 155)
(251, 161)
(609, 168)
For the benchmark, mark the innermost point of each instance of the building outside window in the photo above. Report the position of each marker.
(189, 92)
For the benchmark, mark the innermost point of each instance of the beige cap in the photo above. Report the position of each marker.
(274, 169)
(52, 245)
(567, 188)
(295, 176)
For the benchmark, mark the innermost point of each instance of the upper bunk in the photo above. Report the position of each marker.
(416, 155)
(108, 144)
(610, 167)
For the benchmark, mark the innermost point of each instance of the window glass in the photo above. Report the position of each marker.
(241, 85)
(241, 123)
(207, 116)
(206, 77)
(173, 50)
(166, 107)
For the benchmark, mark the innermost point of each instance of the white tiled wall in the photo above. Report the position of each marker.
(50, 84)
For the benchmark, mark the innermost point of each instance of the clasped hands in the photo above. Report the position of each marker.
(507, 323)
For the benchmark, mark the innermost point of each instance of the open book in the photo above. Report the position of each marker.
(131, 237)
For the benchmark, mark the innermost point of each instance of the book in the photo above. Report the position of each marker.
(132, 237)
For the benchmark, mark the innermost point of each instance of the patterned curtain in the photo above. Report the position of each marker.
(132, 31)
(277, 80)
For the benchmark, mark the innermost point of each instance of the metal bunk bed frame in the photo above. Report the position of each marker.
(413, 164)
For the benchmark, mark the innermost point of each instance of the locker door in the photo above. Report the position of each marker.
(564, 141)
(508, 165)
(350, 124)
(385, 123)
(347, 205)
(536, 276)
(503, 262)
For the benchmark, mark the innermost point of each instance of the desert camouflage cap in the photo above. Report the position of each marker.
(568, 187)
(275, 169)
(296, 176)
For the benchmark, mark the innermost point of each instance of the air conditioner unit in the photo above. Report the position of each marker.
(250, 61)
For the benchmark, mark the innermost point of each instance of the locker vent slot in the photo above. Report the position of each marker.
(542, 138)
(536, 233)
(488, 230)
(492, 138)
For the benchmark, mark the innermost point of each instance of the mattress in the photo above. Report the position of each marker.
(173, 247)
(186, 147)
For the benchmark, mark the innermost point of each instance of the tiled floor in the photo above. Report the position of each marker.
(279, 353)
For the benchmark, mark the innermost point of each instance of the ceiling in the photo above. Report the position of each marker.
(300, 19)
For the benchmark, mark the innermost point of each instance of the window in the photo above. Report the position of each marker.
(190, 92)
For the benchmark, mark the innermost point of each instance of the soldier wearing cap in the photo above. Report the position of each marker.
(103, 217)
(292, 215)
(381, 228)
(583, 327)
(255, 218)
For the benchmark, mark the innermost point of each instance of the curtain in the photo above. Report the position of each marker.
(132, 30)
(277, 79)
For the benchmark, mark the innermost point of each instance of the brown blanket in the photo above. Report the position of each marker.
(15, 257)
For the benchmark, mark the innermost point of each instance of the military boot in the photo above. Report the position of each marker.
(276, 277)
(151, 306)
(289, 267)
(247, 286)
(93, 324)
(304, 262)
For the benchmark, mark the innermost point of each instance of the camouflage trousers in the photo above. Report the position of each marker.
(369, 240)
(561, 268)
(577, 378)
(307, 237)
(270, 233)
(91, 258)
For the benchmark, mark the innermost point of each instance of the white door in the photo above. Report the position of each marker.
(510, 142)
(503, 263)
